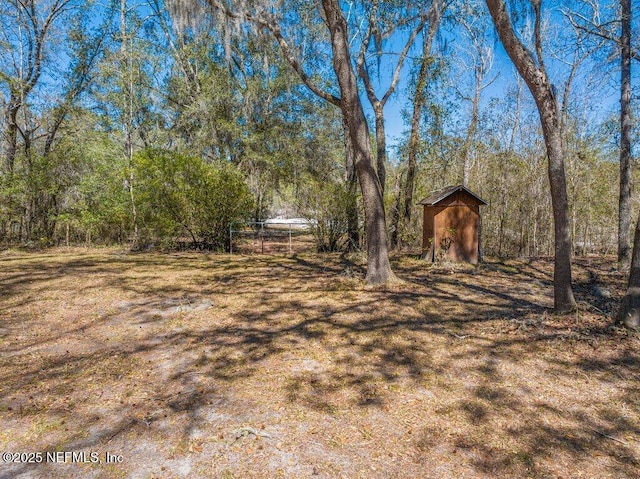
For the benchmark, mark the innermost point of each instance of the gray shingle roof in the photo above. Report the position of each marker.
(440, 195)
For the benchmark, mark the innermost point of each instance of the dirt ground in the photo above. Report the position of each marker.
(217, 366)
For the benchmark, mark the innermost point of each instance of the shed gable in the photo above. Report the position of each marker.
(457, 195)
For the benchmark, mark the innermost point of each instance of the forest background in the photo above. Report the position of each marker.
(145, 122)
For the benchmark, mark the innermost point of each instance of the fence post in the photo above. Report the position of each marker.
(290, 244)
(262, 237)
(230, 238)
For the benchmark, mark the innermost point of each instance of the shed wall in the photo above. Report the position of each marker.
(456, 223)
(460, 224)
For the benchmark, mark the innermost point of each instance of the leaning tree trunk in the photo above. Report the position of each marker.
(629, 314)
(624, 202)
(535, 76)
(378, 266)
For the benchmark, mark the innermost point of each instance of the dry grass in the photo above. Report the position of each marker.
(195, 365)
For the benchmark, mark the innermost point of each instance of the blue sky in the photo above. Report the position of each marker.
(602, 98)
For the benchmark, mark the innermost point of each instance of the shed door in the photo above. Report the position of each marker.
(457, 233)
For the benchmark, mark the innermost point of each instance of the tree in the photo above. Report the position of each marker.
(380, 27)
(533, 72)
(27, 29)
(402, 219)
(482, 61)
(624, 202)
(124, 90)
(35, 172)
(323, 203)
(351, 203)
(328, 15)
(629, 313)
(126, 80)
(246, 109)
(378, 266)
(603, 31)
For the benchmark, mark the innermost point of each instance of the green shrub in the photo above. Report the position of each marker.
(325, 205)
(180, 195)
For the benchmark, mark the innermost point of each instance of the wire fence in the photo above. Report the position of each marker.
(271, 237)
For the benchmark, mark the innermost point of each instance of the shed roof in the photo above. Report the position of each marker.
(437, 196)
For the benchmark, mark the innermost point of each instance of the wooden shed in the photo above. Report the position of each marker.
(451, 225)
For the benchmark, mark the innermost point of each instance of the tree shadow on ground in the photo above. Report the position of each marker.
(485, 372)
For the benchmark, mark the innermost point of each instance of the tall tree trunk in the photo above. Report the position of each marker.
(414, 136)
(471, 131)
(11, 147)
(379, 104)
(381, 146)
(534, 74)
(414, 142)
(128, 126)
(353, 231)
(624, 204)
(378, 266)
(395, 211)
(418, 103)
(504, 200)
(629, 313)
(563, 292)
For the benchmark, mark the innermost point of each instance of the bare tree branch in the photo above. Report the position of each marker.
(600, 30)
